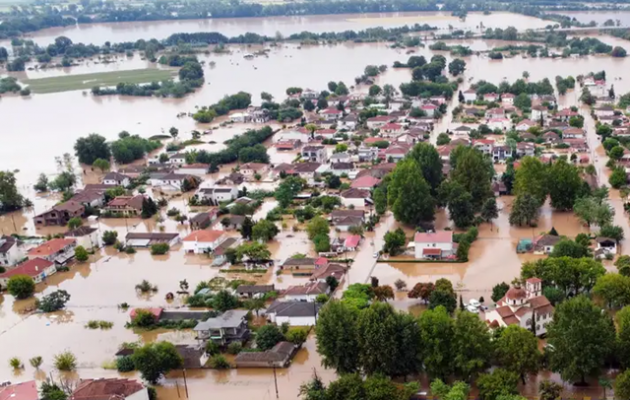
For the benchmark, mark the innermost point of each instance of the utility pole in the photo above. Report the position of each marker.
(185, 383)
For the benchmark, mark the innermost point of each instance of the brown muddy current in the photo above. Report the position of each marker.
(36, 129)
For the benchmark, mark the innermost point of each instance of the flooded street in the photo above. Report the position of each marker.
(40, 127)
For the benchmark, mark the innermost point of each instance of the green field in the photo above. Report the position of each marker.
(103, 79)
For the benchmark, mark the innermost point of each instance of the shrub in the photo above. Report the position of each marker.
(21, 286)
(234, 348)
(219, 362)
(143, 319)
(146, 286)
(81, 254)
(159, 248)
(16, 363)
(297, 336)
(54, 301)
(36, 362)
(268, 336)
(125, 364)
(212, 348)
(65, 361)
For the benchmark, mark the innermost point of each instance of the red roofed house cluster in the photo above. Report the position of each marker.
(523, 307)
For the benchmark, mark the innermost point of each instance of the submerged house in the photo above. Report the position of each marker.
(231, 326)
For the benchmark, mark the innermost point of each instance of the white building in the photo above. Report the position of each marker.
(354, 198)
(295, 313)
(539, 112)
(523, 307)
(10, 251)
(85, 236)
(37, 268)
(203, 241)
(114, 178)
(307, 292)
(469, 95)
(218, 194)
(433, 245)
(507, 99)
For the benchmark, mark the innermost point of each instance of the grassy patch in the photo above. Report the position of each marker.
(88, 81)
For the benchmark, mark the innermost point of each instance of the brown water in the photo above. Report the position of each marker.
(109, 279)
(598, 16)
(132, 31)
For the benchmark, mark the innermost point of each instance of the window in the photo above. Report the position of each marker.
(529, 322)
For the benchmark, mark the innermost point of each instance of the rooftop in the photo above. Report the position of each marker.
(229, 319)
(434, 237)
(106, 389)
(50, 247)
(204, 236)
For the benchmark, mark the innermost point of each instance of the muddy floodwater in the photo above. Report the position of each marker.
(70, 115)
(132, 31)
(38, 128)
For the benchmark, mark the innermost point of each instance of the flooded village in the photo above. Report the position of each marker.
(462, 175)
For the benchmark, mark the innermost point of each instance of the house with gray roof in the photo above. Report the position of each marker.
(231, 326)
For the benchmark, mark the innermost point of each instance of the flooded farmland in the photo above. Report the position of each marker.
(38, 128)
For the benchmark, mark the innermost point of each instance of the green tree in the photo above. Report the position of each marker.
(614, 289)
(568, 248)
(10, 197)
(336, 332)
(347, 387)
(317, 226)
(517, 351)
(496, 384)
(549, 390)
(564, 184)
(618, 178)
(623, 336)
(457, 66)
(380, 201)
(81, 254)
(489, 210)
(394, 242)
(474, 173)
(322, 243)
(622, 385)
(443, 295)
(524, 210)
(591, 210)
(246, 228)
(51, 391)
(409, 195)
(54, 301)
(89, 149)
(499, 290)
(149, 208)
(224, 301)
(42, 184)
(389, 342)
(110, 237)
(268, 336)
(264, 230)
(430, 163)
(460, 205)
(612, 231)
(531, 178)
(21, 286)
(101, 164)
(154, 360)
(582, 337)
(471, 345)
(287, 190)
(173, 131)
(438, 339)
(623, 265)
(375, 90)
(522, 101)
(313, 390)
(75, 222)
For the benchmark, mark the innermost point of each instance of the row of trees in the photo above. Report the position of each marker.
(379, 340)
(126, 149)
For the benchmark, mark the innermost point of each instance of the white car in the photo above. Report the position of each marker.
(474, 303)
(472, 309)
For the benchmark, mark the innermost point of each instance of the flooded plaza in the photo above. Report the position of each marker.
(35, 129)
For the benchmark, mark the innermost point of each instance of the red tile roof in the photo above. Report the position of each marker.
(434, 237)
(50, 247)
(431, 252)
(105, 389)
(31, 268)
(534, 280)
(365, 181)
(20, 391)
(352, 241)
(204, 236)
